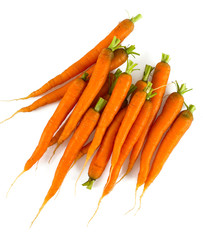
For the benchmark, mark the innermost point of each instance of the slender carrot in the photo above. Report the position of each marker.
(100, 160)
(169, 142)
(117, 97)
(121, 31)
(76, 142)
(132, 112)
(131, 139)
(96, 82)
(64, 107)
(171, 109)
(159, 80)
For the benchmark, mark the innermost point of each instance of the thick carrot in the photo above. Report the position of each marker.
(121, 31)
(131, 139)
(96, 82)
(118, 95)
(100, 160)
(169, 142)
(132, 112)
(76, 142)
(171, 109)
(159, 81)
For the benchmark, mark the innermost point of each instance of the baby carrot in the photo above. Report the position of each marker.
(159, 81)
(76, 142)
(118, 95)
(121, 31)
(169, 142)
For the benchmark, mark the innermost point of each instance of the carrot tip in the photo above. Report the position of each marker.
(44, 203)
(10, 117)
(96, 210)
(57, 146)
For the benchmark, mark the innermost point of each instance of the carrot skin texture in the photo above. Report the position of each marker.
(169, 142)
(121, 31)
(100, 160)
(65, 106)
(170, 111)
(114, 104)
(160, 78)
(132, 112)
(95, 84)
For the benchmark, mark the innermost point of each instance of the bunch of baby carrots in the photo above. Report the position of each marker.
(123, 115)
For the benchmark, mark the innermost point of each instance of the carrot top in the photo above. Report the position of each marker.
(149, 91)
(85, 76)
(148, 69)
(100, 105)
(114, 44)
(165, 58)
(130, 50)
(136, 18)
(190, 108)
(181, 89)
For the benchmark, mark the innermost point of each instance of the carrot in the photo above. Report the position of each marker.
(131, 139)
(76, 142)
(159, 80)
(100, 160)
(132, 112)
(121, 31)
(64, 107)
(96, 82)
(171, 109)
(169, 142)
(118, 95)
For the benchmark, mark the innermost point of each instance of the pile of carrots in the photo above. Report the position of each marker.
(97, 97)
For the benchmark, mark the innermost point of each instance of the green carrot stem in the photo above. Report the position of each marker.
(130, 50)
(147, 72)
(89, 183)
(136, 18)
(191, 108)
(100, 105)
(165, 58)
(181, 89)
(130, 67)
(85, 76)
(131, 90)
(116, 74)
(114, 44)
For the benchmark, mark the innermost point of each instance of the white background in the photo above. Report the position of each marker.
(40, 39)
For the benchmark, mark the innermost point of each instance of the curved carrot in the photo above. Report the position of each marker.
(96, 82)
(171, 109)
(118, 95)
(159, 80)
(100, 160)
(76, 142)
(121, 31)
(131, 139)
(169, 142)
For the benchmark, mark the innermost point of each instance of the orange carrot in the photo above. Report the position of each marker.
(76, 142)
(121, 31)
(171, 109)
(96, 82)
(118, 95)
(131, 139)
(159, 80)
(132, 112)
(100, 160)
(169, 142)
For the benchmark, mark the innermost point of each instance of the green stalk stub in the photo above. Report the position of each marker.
(116, 74)
(130, 66)
(190, 108)
(89, 183)
(149, 90)
(130, 50)
(165, 58)
(85, 76)
(148, 69)
(181, 89)
(115, 44)
(131, 90)
(100, 105)
(136, 18)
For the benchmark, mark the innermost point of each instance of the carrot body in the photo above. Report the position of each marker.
(100, 160)
(116, 99)
(130, 141)
(132, 112)
(65, 106)
(159, 80)
(169, 142)
(76, 142)
(121, 31)
(96, 82)
(170, 111)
